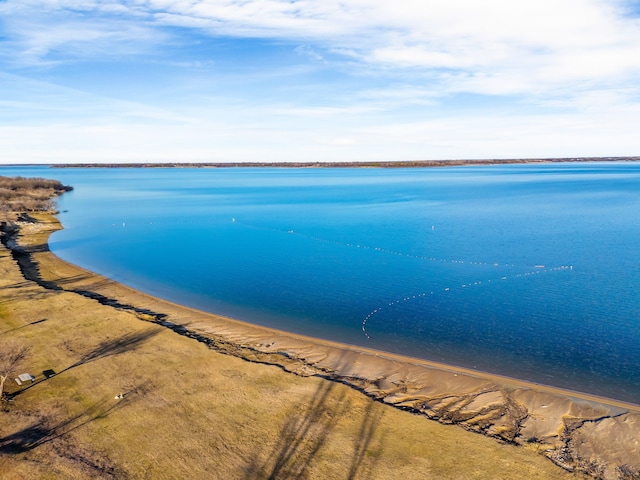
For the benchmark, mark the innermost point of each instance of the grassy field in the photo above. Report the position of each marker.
(189, 412)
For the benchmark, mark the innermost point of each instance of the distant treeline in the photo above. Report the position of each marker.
(19, 194)
(395, 164)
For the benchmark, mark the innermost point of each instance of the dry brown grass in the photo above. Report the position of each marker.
(19, 194)
(189, 412)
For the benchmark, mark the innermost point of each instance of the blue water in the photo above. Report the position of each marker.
(531, 271)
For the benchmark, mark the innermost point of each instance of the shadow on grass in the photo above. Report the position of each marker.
(47, 430)
(18, 293)
(23, 326)
(303, 435)
(307, 430)
(364, 447)
(116, 346)
(22, 291)
(105, 349)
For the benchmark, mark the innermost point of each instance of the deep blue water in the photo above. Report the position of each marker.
(531, 271)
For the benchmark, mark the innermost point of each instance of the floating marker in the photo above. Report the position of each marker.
(535, 269)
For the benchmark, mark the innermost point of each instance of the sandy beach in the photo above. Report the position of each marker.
(577, 431)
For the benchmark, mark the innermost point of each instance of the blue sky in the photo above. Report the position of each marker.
(317, 80)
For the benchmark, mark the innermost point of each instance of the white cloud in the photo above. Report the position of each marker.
(52, 32)
(492, 46)
(575, 63)
(575, 38)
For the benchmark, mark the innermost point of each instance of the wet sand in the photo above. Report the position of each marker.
(577, 431)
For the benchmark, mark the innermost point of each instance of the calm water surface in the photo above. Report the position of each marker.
(531, 271)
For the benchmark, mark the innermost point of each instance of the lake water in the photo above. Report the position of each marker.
(531, 271)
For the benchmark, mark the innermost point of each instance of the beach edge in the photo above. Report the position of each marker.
(578, 432)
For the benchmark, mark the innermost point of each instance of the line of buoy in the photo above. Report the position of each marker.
(380, 249)
(532, 270)
(449, 289)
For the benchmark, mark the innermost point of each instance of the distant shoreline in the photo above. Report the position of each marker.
(374, 164)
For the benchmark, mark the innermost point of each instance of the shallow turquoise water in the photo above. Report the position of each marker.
(525, 270)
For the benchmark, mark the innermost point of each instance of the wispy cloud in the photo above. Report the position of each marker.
(456, 34)
(487, 36)
(53, 32)
(39, 102)
(350, 77)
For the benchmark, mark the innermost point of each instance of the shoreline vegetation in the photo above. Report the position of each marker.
(21, 195)
(211, 398)
(375, 164)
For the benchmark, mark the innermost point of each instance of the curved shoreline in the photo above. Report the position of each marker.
(577, 431)
(114, 286)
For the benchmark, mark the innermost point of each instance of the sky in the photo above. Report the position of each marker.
(92, 81)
